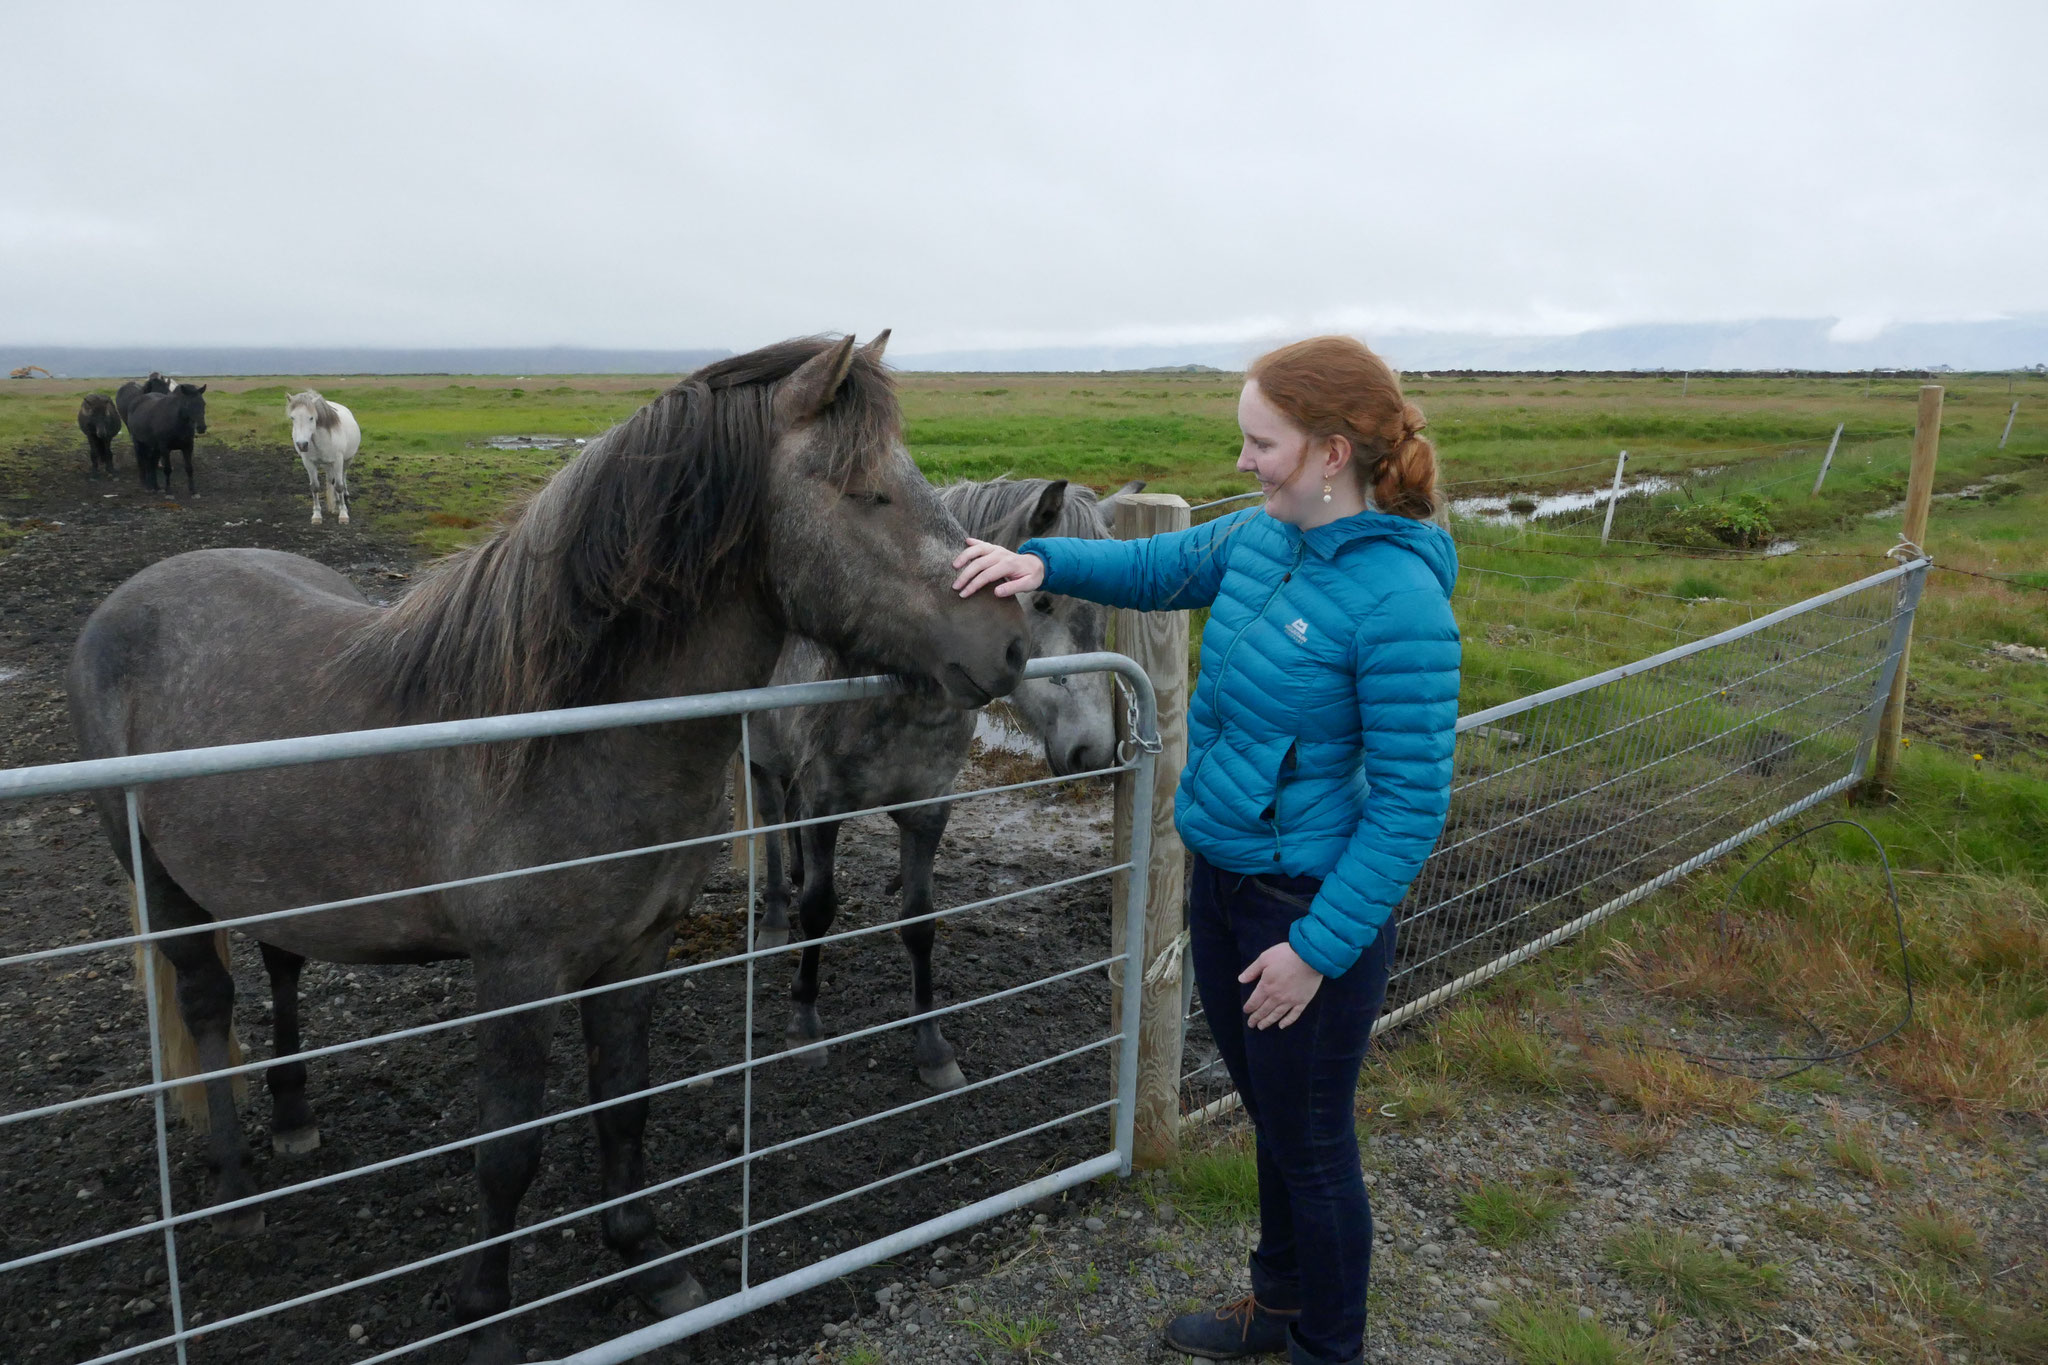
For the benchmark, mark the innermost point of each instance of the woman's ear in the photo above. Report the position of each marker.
(1337, 456)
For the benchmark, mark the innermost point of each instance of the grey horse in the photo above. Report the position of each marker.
(848, 756)
(764, 494)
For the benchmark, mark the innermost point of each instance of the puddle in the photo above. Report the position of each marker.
(532, 442)
(1974, 490)
(999, 729)
(1520, 509)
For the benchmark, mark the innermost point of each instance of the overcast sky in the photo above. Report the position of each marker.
(613, 175)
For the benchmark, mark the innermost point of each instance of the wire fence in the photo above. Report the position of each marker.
(1061, 1114)
(1573, 803)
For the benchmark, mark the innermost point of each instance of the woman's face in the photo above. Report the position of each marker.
(1276, 452)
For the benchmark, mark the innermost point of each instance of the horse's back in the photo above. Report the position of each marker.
(171, 645)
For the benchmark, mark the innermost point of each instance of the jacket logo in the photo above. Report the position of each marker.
(1297, 630)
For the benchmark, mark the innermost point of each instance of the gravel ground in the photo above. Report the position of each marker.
(1094, 1276)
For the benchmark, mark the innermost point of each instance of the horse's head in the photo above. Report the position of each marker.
(1071, 714)
(156, 383)
(191, 399)
(860, 550)
(303, 409)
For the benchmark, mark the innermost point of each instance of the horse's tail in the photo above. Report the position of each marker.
(327, 490)
(180, 1048)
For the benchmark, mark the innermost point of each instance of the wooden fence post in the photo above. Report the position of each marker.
(2003, 435)
(1828, 458)
(1919, 497)
(1613, 497)
(1158, 641)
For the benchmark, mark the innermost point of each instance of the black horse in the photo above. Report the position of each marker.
(101, 422)
(160, 423)
(125, 396)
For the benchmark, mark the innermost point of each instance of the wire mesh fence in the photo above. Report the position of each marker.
(1573, 803)
(753, 1152)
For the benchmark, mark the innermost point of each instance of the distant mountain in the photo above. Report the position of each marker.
(1765, 344)
(109, 362)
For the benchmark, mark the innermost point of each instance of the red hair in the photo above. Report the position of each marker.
(1335, 386)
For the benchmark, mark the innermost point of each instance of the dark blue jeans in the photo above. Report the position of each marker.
(1299, 1086)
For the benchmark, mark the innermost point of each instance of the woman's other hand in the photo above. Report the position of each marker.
(1285, 986)
(981, 564)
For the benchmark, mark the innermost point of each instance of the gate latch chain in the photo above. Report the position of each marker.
(1136, 742)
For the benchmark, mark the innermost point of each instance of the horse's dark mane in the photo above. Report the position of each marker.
(657, 518)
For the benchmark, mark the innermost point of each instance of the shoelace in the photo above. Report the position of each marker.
(1240, 1311)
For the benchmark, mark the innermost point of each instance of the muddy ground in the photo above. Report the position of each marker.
(74, 1027)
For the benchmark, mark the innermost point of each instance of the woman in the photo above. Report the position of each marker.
(1318, 775)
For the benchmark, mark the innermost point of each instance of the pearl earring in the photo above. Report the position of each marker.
(1326, 492)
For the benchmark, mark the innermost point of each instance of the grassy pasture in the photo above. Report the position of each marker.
(1539, 604)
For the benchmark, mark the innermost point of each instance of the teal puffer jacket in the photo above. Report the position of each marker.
(1320, 734)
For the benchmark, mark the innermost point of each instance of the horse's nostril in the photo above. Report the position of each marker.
(1015, 656)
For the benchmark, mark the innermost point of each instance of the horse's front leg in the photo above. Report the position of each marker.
(615, 1030)
(817, 904)
(921, 829)
(512, 1054)
(313, 481)
(191, 488)
(771, 803)
(292, 1129)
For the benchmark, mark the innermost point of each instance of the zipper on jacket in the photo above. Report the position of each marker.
(1272, 815)
(1223, 669)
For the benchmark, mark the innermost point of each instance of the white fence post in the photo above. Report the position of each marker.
(1828, 458)
(1158, 641)
(1613, 497)
(2008, 423)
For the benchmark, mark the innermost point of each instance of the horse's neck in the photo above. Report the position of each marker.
(731, 646)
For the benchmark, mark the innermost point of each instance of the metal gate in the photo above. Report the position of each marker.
(165, 1220)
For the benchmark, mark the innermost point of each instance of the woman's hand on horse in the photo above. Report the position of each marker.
(982, 563)
(1285, 986)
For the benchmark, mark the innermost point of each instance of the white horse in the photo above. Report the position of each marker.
(326, 436)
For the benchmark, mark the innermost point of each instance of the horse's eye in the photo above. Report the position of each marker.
(1042, 602)
(871, 498)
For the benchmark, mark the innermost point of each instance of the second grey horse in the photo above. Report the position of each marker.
(816, 760)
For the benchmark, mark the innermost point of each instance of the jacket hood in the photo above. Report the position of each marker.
(1426, 540)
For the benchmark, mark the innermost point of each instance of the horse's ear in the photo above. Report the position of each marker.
(1046, 514)
(812, 388)
(1106, 507)
(873, 350)
(196, 388)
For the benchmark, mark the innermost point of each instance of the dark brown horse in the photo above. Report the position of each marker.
(100, 420)
(764, 494)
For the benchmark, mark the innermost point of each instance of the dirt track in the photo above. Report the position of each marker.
(74, 1026)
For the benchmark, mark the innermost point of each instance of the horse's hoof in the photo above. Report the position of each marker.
(765, 937)
(945, 1076)
(679, 1297)
(815, 1058)
(494, 1346)
(297, 1142)
(240, 1223)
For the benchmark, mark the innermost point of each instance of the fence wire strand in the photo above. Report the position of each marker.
(1565, 805)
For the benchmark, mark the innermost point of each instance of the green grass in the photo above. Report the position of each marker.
(1678, 1265)
(1501, 1213)
(1538, 606)
(1555, 1334)
(1218, 1184)
(1489, 1043)
(1019, 1336)
(1936, 1233)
